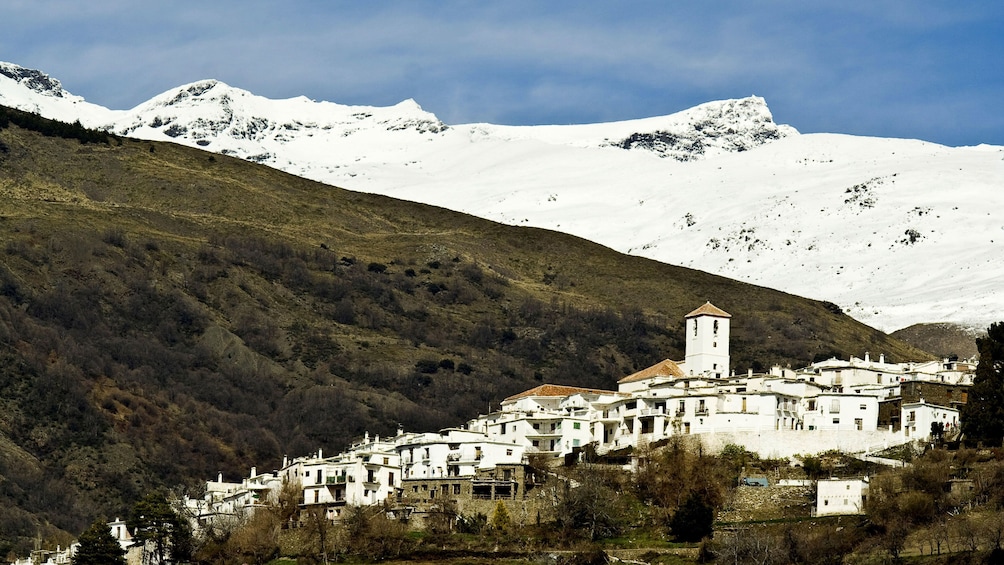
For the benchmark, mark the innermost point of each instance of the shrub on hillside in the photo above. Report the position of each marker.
(694, 520)
(427, 366)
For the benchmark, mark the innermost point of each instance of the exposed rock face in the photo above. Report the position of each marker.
(716, 127)
(32, 79)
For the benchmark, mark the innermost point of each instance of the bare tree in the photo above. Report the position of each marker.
(442, 517)
(315, 521)
(748, 544)
(593, 506)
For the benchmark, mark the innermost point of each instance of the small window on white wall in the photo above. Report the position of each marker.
(714, 327)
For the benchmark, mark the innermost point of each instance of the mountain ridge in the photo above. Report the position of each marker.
(896, 232)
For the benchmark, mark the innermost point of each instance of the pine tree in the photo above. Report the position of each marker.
(983, 414)
(153, 520)
(98, 547)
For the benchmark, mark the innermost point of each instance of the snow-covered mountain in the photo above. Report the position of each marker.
(894, 231)
(35, 91)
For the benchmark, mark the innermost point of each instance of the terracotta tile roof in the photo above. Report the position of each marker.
(556, 390)
(709, 309)
(664, 368)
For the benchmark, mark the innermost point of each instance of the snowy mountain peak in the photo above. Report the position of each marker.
(409, 104)
(37, 92)
(207, 94)
(723, 126)
(707, 130)
(31, 79)
(196, 90)
(217, 116)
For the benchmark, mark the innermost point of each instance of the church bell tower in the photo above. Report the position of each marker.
(708, 342)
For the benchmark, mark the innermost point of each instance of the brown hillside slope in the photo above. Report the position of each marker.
(942, 339)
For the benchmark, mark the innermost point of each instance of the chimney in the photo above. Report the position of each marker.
(319, 456)
(881, 357)
(219, 478)
(749, 372)
(254, 472)
(867, 360)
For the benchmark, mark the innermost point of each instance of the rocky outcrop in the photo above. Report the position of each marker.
(716, 127)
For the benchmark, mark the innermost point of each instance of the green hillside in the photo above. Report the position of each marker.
(167, 314)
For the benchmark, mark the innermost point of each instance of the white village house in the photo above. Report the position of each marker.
(919, 416)
(841, 496)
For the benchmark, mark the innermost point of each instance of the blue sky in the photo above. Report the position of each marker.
(930, 70)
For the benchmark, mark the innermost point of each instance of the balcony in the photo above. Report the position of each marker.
(544, 434)
(701, 412)
(336, 480)
(650, 412)
(463, 459)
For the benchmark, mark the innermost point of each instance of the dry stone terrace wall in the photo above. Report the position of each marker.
(767, 503)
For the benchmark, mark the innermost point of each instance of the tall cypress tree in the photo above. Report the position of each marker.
(983, 414)
(98, 547)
